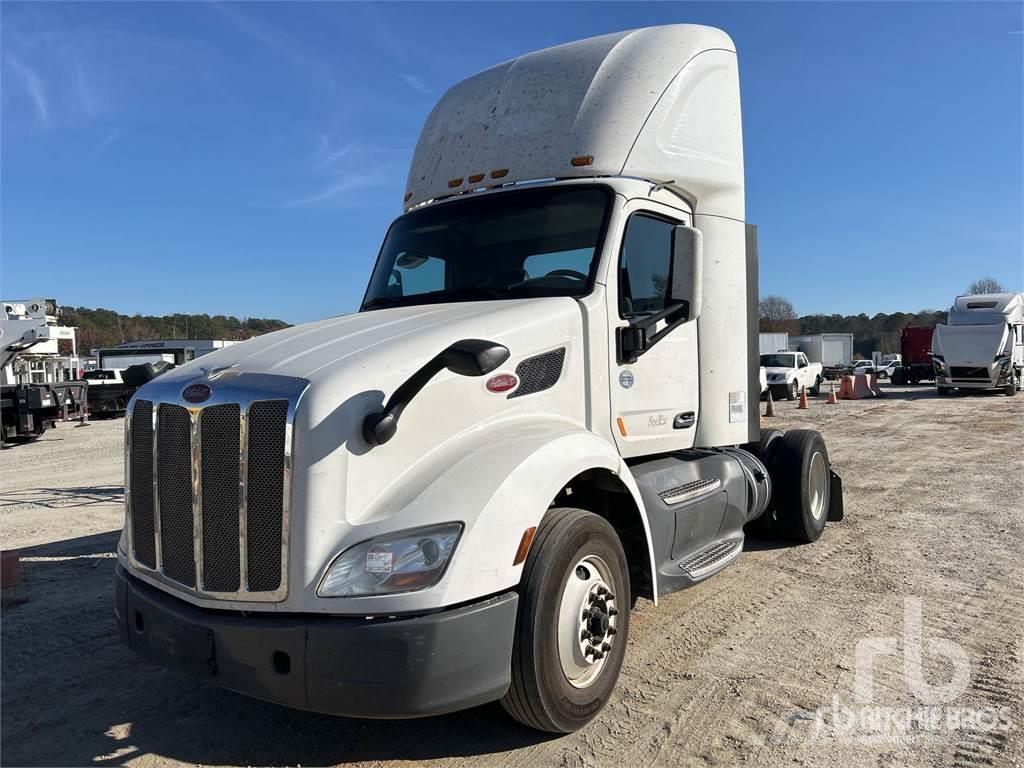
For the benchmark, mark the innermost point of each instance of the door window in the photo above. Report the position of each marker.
(644, 265)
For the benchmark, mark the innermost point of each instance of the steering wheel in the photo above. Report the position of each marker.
(567, 273)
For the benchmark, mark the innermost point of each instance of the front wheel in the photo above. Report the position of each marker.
(572, 624)
(1012, 387)
(793, 391)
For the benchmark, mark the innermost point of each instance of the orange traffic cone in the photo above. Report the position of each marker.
(803, 399)
(832, 399)
(769, 409)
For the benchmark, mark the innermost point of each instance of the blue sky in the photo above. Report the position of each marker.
(247, 158)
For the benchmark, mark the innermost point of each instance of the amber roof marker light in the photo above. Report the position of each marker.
(476, 177)
(582, 160)
(453, 183)
(500, 173)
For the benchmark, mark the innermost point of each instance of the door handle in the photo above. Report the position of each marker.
(684, 420)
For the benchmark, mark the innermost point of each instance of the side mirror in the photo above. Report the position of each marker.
(686, 279)
(468, 357)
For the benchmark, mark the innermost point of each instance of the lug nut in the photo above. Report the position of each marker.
(612, 630)
(602, 591)
(605, 647)
(586, 613)
(598, 655)
(585, 635)
(612, 612)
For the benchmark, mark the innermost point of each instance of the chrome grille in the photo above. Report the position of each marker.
(219, 439)
(265, 493)
(140, 468)
(208, 488)
(174, 493)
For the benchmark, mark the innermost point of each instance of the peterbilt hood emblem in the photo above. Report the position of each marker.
(196, 393)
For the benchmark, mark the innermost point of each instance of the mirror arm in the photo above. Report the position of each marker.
(633, 341)
(381, 426)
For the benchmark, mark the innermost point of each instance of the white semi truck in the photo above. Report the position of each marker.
(544, 409)
(982, 345)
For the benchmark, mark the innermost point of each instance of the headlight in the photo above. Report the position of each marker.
(938, 362)
(403, 561)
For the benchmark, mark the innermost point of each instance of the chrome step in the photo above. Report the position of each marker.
(690, 491)
(713, 557)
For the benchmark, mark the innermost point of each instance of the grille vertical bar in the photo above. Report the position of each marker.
(220, 495)
(174, 491)
(265, 493)
(140, 481)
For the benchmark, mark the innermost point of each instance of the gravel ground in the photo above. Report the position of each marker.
(750, 667)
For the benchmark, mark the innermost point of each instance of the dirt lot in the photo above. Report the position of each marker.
(750, 667)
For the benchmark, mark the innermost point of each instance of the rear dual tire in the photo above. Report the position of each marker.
(574, 589)
(799, 467)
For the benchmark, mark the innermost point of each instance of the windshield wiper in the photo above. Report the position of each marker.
(380, 301)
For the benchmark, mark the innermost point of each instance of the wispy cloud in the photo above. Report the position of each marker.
(34, 86)
(416, 83)
(340, 186)
(107, 142)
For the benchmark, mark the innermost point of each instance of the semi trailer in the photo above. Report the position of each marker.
(544, 409)
(982, 345)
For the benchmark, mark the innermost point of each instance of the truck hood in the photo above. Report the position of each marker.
(344, 490)
(970, 345)
(315, 350)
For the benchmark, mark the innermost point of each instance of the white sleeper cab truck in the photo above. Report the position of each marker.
(544, 409)
(982, 346)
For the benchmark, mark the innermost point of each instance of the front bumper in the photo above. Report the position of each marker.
(359, 667)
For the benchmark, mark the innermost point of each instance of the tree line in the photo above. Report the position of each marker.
(99, 328)
(880, 332)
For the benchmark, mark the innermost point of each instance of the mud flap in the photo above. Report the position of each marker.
(835, 497)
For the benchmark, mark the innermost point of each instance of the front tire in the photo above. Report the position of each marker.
(572, 625)
(793, 390)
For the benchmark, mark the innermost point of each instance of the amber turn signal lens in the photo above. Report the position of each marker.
(524, 545)
(407, 198)
(622, 426)
(582, 160)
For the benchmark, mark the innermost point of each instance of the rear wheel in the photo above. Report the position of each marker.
(801, 484)
(943, 391)
(816, 389)
(573, 623)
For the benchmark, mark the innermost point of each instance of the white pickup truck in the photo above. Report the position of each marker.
(789, 371)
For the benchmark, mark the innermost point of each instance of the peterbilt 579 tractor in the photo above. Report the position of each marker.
(544, 409)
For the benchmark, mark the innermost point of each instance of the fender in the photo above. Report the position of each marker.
(503, 484)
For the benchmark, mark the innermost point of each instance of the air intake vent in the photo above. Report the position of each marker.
(539, 372)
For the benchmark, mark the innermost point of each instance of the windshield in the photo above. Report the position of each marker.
(777, 361)
(517, 244)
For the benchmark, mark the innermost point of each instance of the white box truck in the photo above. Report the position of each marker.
(773, 342)
(543, 410)
(982, 344)
(833, 350)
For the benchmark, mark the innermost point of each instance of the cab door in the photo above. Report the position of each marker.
(655, 401)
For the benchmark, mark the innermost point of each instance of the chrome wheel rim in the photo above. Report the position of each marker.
(587, 621)
(818, 485)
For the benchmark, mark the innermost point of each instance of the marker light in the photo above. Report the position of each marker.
(403, 561)
(476, 178)
(582, 160)
(453, 183)
(500, 173)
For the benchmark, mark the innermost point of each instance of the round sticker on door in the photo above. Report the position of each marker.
(626, 379)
